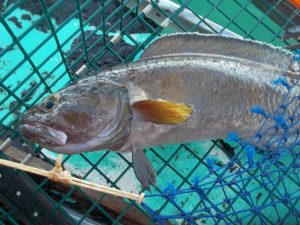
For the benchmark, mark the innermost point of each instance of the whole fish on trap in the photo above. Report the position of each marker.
(175, 83)
(169, 96)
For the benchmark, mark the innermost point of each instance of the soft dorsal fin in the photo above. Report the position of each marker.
(163, 111)
(196, 43)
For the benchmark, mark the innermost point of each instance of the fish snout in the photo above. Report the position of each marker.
(35, 129)
(42, 134)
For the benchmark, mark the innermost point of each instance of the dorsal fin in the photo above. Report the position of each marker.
(196, 43)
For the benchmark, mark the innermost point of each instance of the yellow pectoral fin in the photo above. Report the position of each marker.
(163, 111)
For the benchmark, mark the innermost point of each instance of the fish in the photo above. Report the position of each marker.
(185, 87)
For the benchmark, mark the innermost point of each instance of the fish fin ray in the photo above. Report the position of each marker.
(143, 168)
(163, 111)
(196, 43)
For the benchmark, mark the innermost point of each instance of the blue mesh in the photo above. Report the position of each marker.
(265, 187)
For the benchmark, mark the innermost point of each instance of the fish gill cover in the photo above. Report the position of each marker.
(264, 187)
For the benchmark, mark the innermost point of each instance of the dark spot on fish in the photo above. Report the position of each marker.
(158, 15)
(16, 22)
(232, 169)
(26, 17)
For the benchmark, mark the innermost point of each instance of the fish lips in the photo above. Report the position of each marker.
(43, 134)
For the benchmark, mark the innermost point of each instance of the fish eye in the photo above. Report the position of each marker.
(48, 103)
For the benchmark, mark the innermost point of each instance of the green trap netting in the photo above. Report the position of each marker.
(47, 44)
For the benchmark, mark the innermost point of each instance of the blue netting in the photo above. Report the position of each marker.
(265, 187)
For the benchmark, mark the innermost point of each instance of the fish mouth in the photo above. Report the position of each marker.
(42, 134)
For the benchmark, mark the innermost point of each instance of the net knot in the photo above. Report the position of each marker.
(258, 110)
(58, 174)
(297, 55)
(232, 136)
(255, 210)
(196, 181)
(282, 81)
(220, 215)
(279, 119)
(210, 160)
(250, 153)
(170, 191)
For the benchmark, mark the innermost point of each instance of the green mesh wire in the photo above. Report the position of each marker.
(45, 44)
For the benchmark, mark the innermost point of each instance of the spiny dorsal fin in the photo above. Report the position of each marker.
(164, 112)
(196, 43)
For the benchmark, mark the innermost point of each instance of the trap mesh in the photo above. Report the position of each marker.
(263, 189)
(45, 45)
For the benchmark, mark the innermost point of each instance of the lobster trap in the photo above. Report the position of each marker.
(46, 45)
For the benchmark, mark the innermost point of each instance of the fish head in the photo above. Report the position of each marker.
(89, 115)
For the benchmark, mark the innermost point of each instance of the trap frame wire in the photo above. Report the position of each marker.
(90, 49)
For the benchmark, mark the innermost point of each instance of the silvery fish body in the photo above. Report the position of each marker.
(220, 78)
